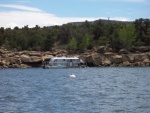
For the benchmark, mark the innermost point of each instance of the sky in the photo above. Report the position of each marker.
(57, 12)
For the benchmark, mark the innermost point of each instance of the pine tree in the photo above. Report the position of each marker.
(72, 44)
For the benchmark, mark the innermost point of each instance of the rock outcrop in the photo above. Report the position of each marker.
(96, 57)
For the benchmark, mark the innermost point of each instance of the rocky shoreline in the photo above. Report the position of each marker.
(100, 56)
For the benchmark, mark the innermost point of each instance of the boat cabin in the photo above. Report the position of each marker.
(59, 62)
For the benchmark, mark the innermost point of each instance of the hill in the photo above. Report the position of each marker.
(104, 22)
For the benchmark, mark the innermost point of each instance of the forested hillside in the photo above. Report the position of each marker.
(78, 36)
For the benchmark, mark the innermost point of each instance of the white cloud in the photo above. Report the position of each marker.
(21, 7)
(121, 19)
(22, 18)
(33, 16)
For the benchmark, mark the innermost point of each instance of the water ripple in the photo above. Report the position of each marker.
(94, 90)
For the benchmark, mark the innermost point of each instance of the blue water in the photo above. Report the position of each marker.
(94, 90)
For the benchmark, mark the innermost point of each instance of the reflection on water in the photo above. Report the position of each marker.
(94, 90)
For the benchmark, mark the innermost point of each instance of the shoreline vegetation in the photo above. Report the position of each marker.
(98, 43)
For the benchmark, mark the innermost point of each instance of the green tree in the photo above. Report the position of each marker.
(64, 34)
(48, 43)
(72, 44)
(86, 42)
(2, 32)
(127, 35)
(1, 40)
(115, 41)
(98, 30)
(142, 30)
(146, 37)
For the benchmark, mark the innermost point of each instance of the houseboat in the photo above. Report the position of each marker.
(64, 62)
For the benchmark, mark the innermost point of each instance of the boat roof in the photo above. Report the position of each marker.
(68, 58)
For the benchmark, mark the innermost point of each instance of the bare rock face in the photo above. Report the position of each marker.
(128, 57)
(47, 57)
(96, 57)
(21, 59)
(25, 59)
(117, 59)
(15, 60)
(89, 60)
(140, 57)
(30, 59)
(146, 62)
(34, 53)
(109, 55)
(126, 63)
(101, 49)
(35, 59)
(93, 60)
(106, 62)
(123, 51)
(3, 62)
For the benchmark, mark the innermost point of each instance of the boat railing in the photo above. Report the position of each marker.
(64, 64)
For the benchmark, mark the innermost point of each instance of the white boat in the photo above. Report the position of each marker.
(64, 62)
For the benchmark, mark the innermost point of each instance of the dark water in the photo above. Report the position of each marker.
(94, 90)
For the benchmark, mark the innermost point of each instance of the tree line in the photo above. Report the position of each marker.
(78, 36)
